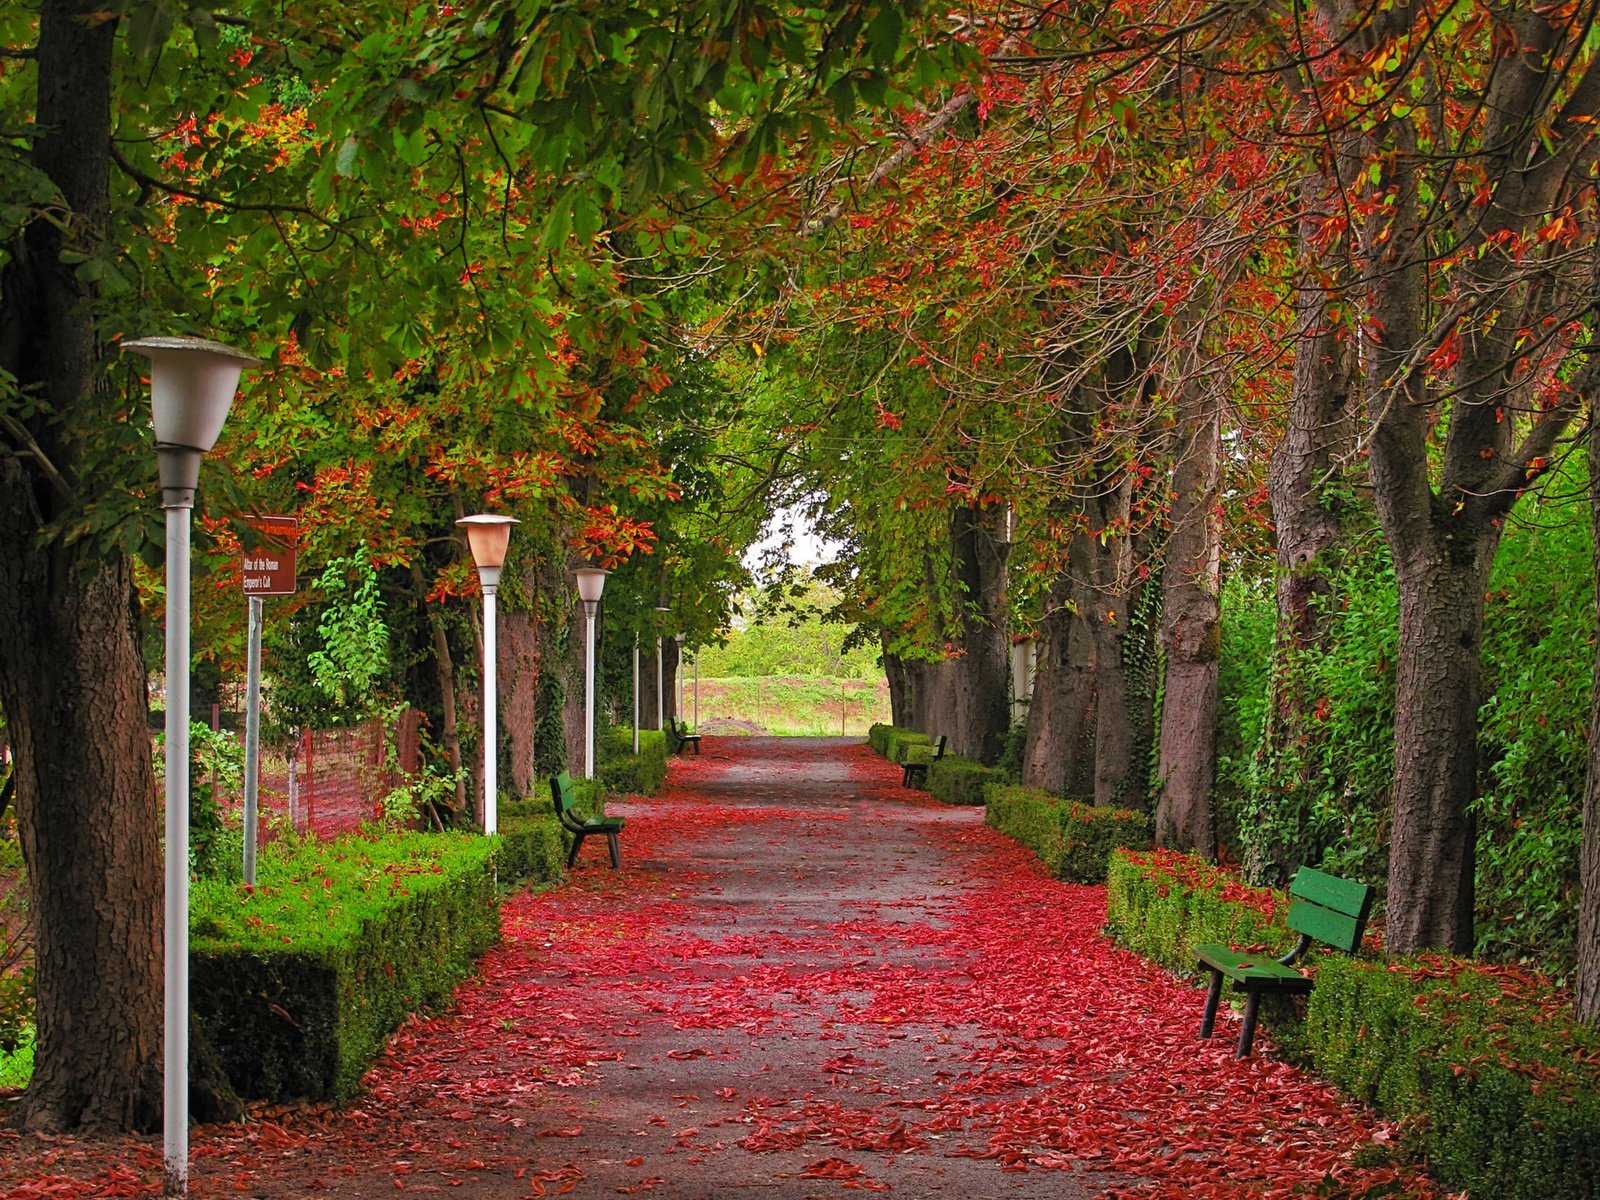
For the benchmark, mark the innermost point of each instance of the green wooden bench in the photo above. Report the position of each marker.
(918, 758)
(561, 795)
(1322, 908)
(678, 736)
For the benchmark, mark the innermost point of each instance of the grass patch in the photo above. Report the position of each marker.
(792, 705)
(16, 1064)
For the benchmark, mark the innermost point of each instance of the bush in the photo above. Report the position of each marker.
(878, 738)
(1074, 841)
(896, 741)
(960, 780)
(533, 845)
(299, 981)
(1486, 1064)
(623, 771)
(16, 1008)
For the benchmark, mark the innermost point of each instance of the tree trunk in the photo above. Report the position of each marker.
(521, 646)
(981, 709)
(900, 678)
(1318, 437)
(1107, 626)
(1431, 850)
(1190, 630)
(669, 676)
(1586, 985)
(1058, 746)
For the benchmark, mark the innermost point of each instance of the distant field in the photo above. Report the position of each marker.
(789, 706)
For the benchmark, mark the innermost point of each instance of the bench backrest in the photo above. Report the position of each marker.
(561, 796)
(1328, 908)
(938, 747)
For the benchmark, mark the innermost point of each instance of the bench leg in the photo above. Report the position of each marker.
(1247, 1031)
(1213, 997)
(572, 855)
(615, 847)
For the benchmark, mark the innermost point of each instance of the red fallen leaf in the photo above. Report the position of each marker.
(571, 1131)
(637, 1161)
(644, 1185)
(832, 1168)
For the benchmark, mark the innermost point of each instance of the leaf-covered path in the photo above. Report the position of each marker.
(805, 982)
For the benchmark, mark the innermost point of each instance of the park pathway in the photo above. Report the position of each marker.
(808, 982)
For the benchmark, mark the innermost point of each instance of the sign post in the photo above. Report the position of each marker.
(269, 570)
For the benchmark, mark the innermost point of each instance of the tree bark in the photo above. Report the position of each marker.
(981, 709)
(445, 670)
(1106, 621)
(521, 646)
(1057, 751)
(899, 676)
(1586, 984)
(1190, 630)
(1318, 438)
(71, 679)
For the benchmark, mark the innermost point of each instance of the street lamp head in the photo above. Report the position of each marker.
(192, 385)
(488, 536)
(591, 582)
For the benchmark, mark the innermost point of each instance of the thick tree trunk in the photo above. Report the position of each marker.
(900, 686)
(520, 661)
(1190, 630)
(981, 708)
(1318, 437)
(1431, 850)
(1057, 751)
(1586, 986)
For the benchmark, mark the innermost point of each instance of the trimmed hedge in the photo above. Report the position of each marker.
(878, 738)
(895, 742)
(1487, 1066)
(960, 780)
(533, 845)
(299, 981)
(1073, 840)
(623, 771)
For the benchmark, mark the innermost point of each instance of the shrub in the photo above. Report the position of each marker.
(1074, 841)
(621, 770)
(16, 1008)
(298, 982)
(1486, 1063)
(896, 741)
(878, 738)
(533, 845)
(960, 780)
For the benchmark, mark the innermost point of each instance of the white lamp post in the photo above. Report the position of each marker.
(681, 681)
(192, 385)
(488, 535)
(591, 582)
(636, 693)
(661, 679)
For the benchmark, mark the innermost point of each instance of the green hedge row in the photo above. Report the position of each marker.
(891, 742)
(1074, 841)
(533, 846)
(299, 981)
(1487, 1066)
(960, 780)
(621, 770)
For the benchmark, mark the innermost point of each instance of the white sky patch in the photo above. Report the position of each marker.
(810, 549)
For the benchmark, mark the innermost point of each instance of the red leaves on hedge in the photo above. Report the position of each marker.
(959, 1011)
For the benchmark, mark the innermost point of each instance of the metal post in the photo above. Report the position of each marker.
(252, 739)
(661, 688)
(175, 1014)
(697, 689)
(636, 693)
(491, 734)
(588, 690)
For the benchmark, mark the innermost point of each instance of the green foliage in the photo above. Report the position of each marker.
(533, 846)
(1501, 1084)
(896, 742)
(354, 655)
(960, 780)
(620, 770)
(298, 981)
(878, 737)
(216, 768)
(16, 1064)
(1249, 617)
(791, 629)
(16, 1008)
(794, 705)
(1074, 841)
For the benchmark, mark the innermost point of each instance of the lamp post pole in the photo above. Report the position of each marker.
(636, 693)
(488, 536)
(591, 583)
(192, 385)
(661, 678)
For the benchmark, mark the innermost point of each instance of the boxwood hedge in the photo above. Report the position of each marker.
(961, 780)
(299, 981)
(1073, 840)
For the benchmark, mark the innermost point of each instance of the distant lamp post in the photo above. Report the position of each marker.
(636, 693)
(192, 385)
(591, 582)
(488, 536)
(681, 681)
(661, 679)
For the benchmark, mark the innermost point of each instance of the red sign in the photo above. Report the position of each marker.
(269, 568)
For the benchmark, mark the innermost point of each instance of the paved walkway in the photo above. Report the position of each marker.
(808, 982)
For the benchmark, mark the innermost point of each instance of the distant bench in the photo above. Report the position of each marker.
(918, 757)
(562, 797)
(1322, 908)
(679, 736)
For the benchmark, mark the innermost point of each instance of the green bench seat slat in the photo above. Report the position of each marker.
(1329, 891)
(1244, 967)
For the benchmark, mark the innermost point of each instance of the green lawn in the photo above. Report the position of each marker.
(789, 705)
